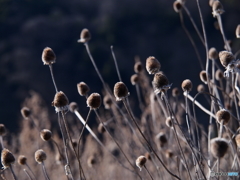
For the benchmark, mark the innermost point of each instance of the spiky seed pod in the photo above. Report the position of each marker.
(107, 101)
(85, 36)
(120, 91)
(169, 122)
(212, 53)
(203, 76)
(187, 85)
(211, 2)
(217, 8)
(73, 106)
(60, 102)
(160, 80)
(101, 128)
(7, 158)
(148, 156)
(161, 137)
(226, 57)
(2, 130)
(40, 156)
(48, 56)
(94, 101)
(169, 153)
(26, 112)
(238, 31)
(200, 88)
(223, 115)
(177, 6)
(138, 67)
(141, 161)
(91, 161)
(22, 160)
(46, 135)
(237, 140)
(219, 75)
(152, 65)
(175, 92)
(134, 79)
(219, 147)
(83, 88)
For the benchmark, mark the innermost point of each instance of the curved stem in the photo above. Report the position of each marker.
(13, 174)
(45, 172)
(116, 65)
(148, 172)
(29, 177)
(54, 83)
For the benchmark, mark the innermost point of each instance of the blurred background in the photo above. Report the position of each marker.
(135, 28)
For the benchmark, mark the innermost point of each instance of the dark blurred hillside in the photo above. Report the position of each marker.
(137, 27)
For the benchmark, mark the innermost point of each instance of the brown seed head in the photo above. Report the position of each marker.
(160, 80)
(212, 53)
(161, 137)
(225, 57)
(168, 122)
(40, 156)
(60, 101)
(237, 139)
(200, 88)
(73, 107)
(101, 128)
(107, 101)
(46, 135)
(187, 85)
(169, 153)
(7, 158)
(177, 6)
(219, 75)
(203, 76)
(22, 160)
(152, 65)
(175, 92)
(223, 115)
(238, 31)
(85, 36)
(91, 161)
(25, 112)
(48, 56)
(141, 161)
(219, 147)
(83, 88)
(120, 91)
(217, 8)
(148, 156)
(134, 79)
(94, 101)
(2, 130)
(138, 67)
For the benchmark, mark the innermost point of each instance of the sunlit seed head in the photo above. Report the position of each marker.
(85, 36)
(152, 65)
(48, 56)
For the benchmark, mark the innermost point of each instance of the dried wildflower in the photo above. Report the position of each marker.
(212, 53)
(161, 137)
(48, 56)
(73, 107)
(101, 128)
(152, 65)
(40, 156)
(83, 88)
(203, 76)
(237, 140)
(85, 36)
(219, 75)
(217, 8)
(160, 83)
(22, 160)
(148, 156)
(223, 115)
(168, 122)
(187, 85)
(219, 147)
(177, 6)
(107, 101)
(2, 130)
(120, 91)
(134, 79)
(25, 112)
(238, 31)
(138, 67)
(60, 102)
(46, 134)
(7, 158)
(200, 88)
(141, 161)
(227, 59)
(175, 92)
(94, 101)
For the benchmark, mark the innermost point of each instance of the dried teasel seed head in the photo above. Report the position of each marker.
(48, 56)
(138, 67)
(107, 101)
(60, 102)
(22, 160)
(40, 156)
(169, 153)
(217, 8)
(134, 79)
(2, 130)
(223, 115)
(46, 135)
(120, 91)
(160, 81)
(91, 161)
(238, 31)
(26, 112)
(175, 92)
(7, 158)
(94, 101)
(141, 161)
(161, 137)
(177, 6)
(226, 57)
(219, 147)
(203, 76)
(212, 53)
(200, 88)
(101, 128)
(237, 140)
(152, 65)
(85, 36)
(219, 75)
(73, 106)
(148, 156)
(187, 85)
(169, 122)
(83, 88)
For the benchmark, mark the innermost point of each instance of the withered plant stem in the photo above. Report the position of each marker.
(13, 174)
(28, 175)
(116, 65)
(30, 170)
(45, 172)
(54, 83)
(148, 172)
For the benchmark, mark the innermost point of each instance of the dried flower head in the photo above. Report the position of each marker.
(238, 31)
(85, 36)
(48, 56)
(177, 6)
(169, 153)
(83, 88)
(25, 112)
(40, 156)
(168, 122)
(141, 161)
(91, 161)
(101, 128)
(219, 75)
(237, 140)
(120, 91)
(219, 147)
(73, 107)
(60, 102)
(7, 158)
(2, 130)
(212, 53)
(223, 115)
(187, 85)
(134, 79)
(217, 8)
(152, 65)
(94, 101)
(138, 67)
(22, 160)
(226, 58)
(46, 135)
(160, 83)
(107, 101)
(148, 156)
(200, 88)
(203, 76)
(175, 92)
(161, 138)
